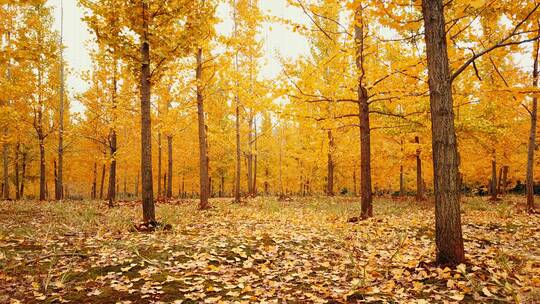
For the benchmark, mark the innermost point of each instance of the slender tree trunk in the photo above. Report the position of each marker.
(111, 194)
(281, 161)
(238, 164)
(255, 159)
(494, 178)
(16, 171)
(419, 180)
(250, 155)
(160, 153)
(448, 234)
(102, 181)
(169, 165)
(59, 186)
(94, 182)
(5, 154)
(165, 184)
(266, 183)
(504, 180)
(149, 214)
(365, 131)
(330, 165)
(532, 135)
(23, 175)
(203, 153)
(42, 172)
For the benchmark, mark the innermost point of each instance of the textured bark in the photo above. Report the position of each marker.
(448, 234)
(16, 171)
(366, 197)
(330, 165)
(532, 135)
(146, 124)
(203, 153)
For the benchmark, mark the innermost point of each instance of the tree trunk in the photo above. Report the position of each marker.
(137, 185)
(266, 184)
(5, 154)
(504, 181)
(94, 182)
(59, 185)
(448, 234)
(255, 160)
(238, 164)
(111, 194)
(169, 165)
(330, 165)
(23, 175)
(160, 150)
(16, 171)
(203, 153)
(494, 179)
(532, 136)
(149, 214)
(354, 181)
(102, 181)
(419, 179)
(42, 186)
(250, 155)
(165, 183)
(365, 132)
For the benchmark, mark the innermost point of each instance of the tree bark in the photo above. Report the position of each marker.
(169, 165)
(419, 179)
(330, 165)
(448, 234)
(203, 153)
(504, 180)
(146, 124)
(94, 182)
(111, 193)
(532, 135)
(102, 181)
(366, 197)
(23, 175)
(16, 171)
(238, 164)
(494, 179)
(42, 185)
(250, 155)
(5, 156)
(160, 153)
(59, 186)
(255, 156)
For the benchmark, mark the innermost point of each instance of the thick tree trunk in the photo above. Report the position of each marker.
(42, 172)
(330, 165)
(149, 214)
(169, 165)
(448, 234)
(419, 179)
(203, 153)
(532, 135)
(111, 194)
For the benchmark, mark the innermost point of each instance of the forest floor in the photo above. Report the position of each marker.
(302, 251)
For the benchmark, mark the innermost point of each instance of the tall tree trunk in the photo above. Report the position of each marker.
(111, 194)
(149, 213)
(169, 165)
(59, 186)
(266, 183)
(165, 183)
(494, 178)
(448, 234)
(504, 180)
(238, 164)
(102, 181)
(532, 135)
(160, 153)
(255, 159)
(419, 180)
(365, 131)
(203, 153)
(250, 155)
(42, 172)
(5, 156)
(23, 175)
(16, 171)
(94, 182)
(330, 165)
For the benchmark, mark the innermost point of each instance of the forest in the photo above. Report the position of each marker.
(377, 151)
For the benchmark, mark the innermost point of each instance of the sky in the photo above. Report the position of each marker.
(277, 38)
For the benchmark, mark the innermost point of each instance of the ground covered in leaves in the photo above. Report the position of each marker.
(301, 251)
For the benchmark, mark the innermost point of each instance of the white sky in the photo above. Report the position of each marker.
(277, 39)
